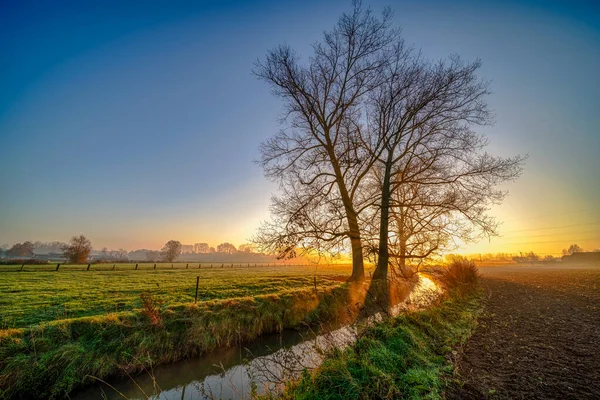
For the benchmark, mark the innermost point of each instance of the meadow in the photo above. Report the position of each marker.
(61, 328)
(40, 294)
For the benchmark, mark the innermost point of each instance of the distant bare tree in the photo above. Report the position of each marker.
(171, 250)
(201, 248)
(246, 248)
(317, 159)
(48, 247)
(78, 249)
(152, 256)
(226, 248)
(120, 254)
(24, 249)
(574, 248)
(104, 253)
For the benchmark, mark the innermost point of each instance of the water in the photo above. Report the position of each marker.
(260, 366)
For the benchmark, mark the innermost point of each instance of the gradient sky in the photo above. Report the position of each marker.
(136, 122)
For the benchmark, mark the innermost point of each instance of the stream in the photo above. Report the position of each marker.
(237, 372)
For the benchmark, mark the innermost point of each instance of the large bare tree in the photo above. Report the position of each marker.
(379, 148)
(432, 159)
(317, 158)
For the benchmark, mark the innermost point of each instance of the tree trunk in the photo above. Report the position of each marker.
(402, 244)
(358, 265)
(381, 271)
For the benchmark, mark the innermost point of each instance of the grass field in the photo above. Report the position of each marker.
(42, 294)
(59, 328)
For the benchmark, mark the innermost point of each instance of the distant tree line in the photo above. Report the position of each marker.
(79, 250)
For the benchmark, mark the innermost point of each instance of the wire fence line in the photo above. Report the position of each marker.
(141, 266)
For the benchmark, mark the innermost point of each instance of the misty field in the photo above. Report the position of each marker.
(42, 294)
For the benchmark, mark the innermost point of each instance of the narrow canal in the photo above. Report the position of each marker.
(237, 372)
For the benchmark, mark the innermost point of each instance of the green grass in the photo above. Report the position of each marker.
(402, 358)
(49, 353)
(40, 294)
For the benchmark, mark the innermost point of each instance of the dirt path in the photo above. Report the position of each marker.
(539, 337)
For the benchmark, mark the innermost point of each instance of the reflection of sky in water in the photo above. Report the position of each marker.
(273, 360)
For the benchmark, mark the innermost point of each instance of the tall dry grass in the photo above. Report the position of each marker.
(460, 274)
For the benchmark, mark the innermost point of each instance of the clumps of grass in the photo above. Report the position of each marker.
(460, 274)
(151, 309)
(402, 357)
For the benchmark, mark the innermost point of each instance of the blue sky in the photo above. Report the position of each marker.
(136, 122)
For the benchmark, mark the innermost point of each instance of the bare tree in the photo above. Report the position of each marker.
(574, 248)
(226, 248)
(78, 249)
(379, 149)
(120, 254)
(201, 248)
(171, 250)
(246, 248)
(24, 249)
(317, 159)
(104, 253)
(152, 255)
(431, 159)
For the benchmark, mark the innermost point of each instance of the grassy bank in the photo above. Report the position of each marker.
(52, 359)
(403, 357)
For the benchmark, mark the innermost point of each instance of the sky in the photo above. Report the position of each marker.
(137, 122)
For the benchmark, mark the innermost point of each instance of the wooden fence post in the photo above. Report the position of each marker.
(113, 267)
(154, 265)
(198, 265)
(187, 266)
(88, 268)
(57, 266)
(22, 266)
(197, 283)
(315, 283)
(136, 266)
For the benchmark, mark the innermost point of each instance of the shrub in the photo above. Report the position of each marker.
(151, 309)
(459, 273)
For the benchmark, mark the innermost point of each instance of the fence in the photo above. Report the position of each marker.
(146, 266)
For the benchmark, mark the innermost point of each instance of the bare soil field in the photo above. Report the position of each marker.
(539, 337)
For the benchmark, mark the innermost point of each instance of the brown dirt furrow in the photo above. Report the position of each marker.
(539, 337)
